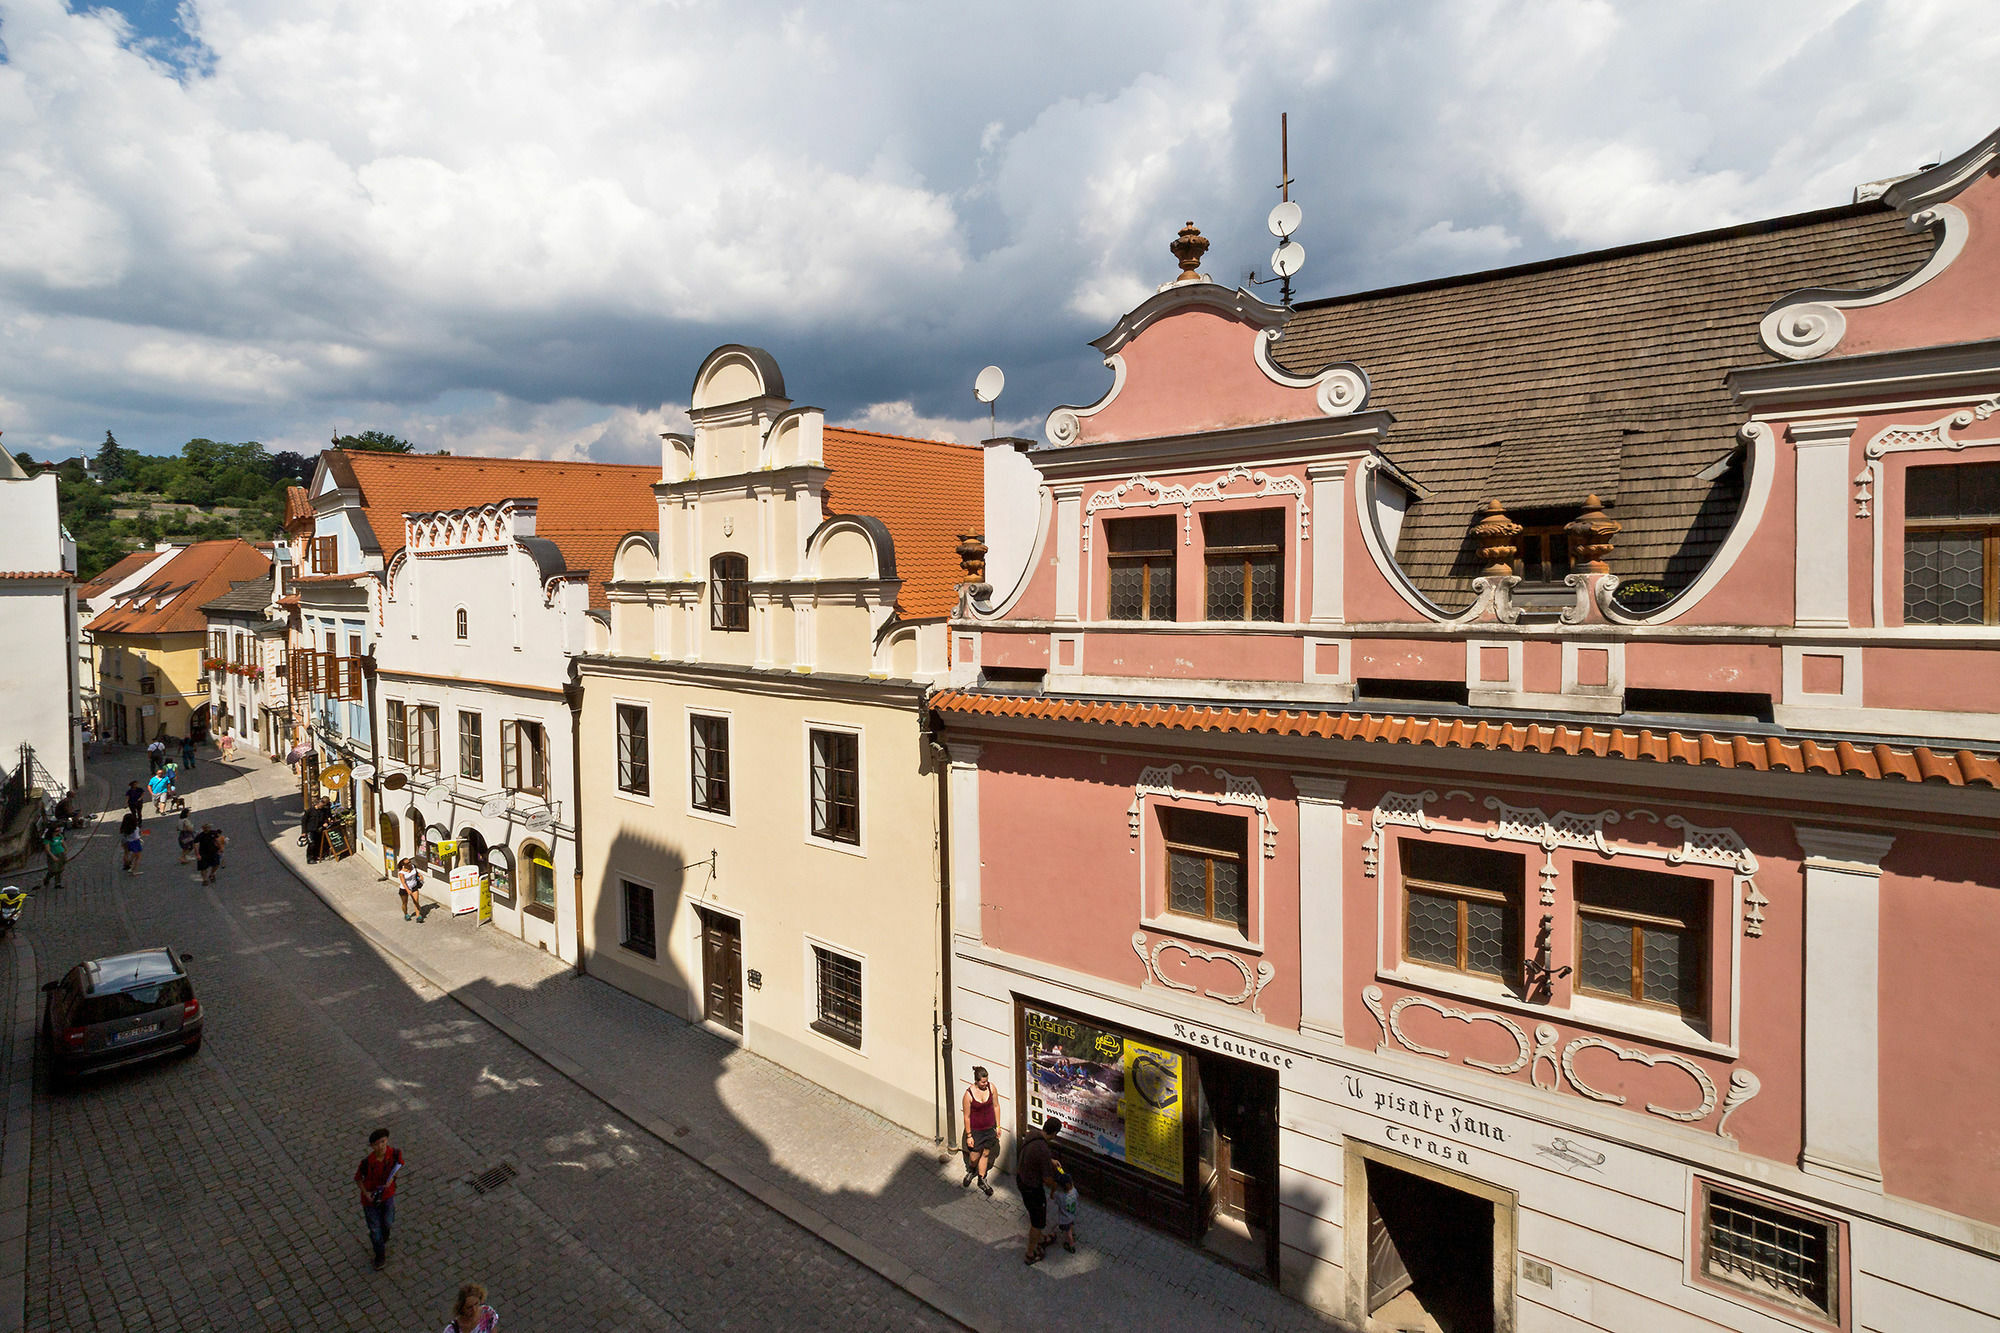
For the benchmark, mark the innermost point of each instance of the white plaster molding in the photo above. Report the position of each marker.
(1338, 391)
(1760, 470)
(1614, 668)
(1810, 323)
(1341, 675)
(1158, 780)
(1794, 655)
(1365, 482)
(1844, 849)
(1743, 1085)
(1394, 1026)
(1254, 981)
(1065, 424)
(1475, 682)
(1937, 435)
(1145, 493)
(1650, 1059)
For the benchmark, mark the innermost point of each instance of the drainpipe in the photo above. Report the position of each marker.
(947, 1125)
(573, 696)
(374, 752)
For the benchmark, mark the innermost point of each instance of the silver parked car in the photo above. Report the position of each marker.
(115, 1011)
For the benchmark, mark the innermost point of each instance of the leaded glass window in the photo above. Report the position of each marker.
(1641, 936)
(1141, 567)
(1244, 559)
(1951, 545)
(1205, 866)
(1462, 909)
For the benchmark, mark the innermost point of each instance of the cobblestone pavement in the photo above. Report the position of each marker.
(215, 1192)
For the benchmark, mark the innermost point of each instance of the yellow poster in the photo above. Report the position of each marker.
(1151, 1109)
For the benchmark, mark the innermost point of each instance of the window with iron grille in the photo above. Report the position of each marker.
(729, 592)
(1244, 555)
(708, 739)
(1142, 568)
(1462, 909)
(399, 730)
(472, 746)
(837, 984)
(1205, 866)
(634, 754)
(1771, 1252)
(523, 757)
(426, 756)
(836, 786)
(1951, 545)
(1643, 937)
(639, 931)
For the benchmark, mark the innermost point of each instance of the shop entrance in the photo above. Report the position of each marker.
(1430, 1255)
(722, 969)
(1239, 1162)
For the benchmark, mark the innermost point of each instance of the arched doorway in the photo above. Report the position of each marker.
(471, 849)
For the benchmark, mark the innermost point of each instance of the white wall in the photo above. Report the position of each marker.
(37, 700)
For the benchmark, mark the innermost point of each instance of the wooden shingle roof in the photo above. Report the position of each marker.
(1599, 373)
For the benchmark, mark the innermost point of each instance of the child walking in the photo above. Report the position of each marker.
(1062, 1207)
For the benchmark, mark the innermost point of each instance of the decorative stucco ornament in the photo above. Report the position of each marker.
(1253, 981)
(1188, 248)
(1494, 535)
(972, 556)
(1590, 535)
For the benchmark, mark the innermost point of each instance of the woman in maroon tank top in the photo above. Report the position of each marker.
(979, 1113)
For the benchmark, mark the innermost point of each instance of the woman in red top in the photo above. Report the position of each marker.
(979, 1113)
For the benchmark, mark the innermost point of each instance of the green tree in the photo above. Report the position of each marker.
(374, 442)
(113, 460)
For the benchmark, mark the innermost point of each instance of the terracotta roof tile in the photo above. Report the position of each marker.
(34, 574)
(123, 569)
(925, 492)
(1958, 768)
(171, 598)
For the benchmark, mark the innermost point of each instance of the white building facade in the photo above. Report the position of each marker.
(39, 703)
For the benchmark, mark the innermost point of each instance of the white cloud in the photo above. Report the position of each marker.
(902, 418)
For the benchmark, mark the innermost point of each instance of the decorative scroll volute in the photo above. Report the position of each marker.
(1590, 535)
(1494, 534)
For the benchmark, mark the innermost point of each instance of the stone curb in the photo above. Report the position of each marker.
(19, 1140)
(681, 1140)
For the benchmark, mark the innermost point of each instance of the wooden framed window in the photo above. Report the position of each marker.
(634, 750)
(836, 786)
(459, 625)
(1462, 909)
(1786, 1257)
(540, 869)
(1141, 568)
(1543, 546)
(326, 555)
(1206, 866)
(471, 746)
(1244, 555)
(837, 996)
(216, 640)
(639, 933)
(425, 756)
(729, 592)
(1643, 937)
(708, 743)
(523, 757)
(1951, 545)
(398, 728)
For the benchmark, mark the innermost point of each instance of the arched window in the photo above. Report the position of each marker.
(729, 592)
(461, 622)
(539, 868)
(500, 873)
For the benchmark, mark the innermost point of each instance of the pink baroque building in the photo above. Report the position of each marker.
(1477, 800)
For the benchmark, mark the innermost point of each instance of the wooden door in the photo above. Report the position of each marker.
(722, 970)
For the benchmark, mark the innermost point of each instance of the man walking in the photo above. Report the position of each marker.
(53, 849)
(187, 752)
(208, 845)
(1032, 1170)
(314, 827)
(156, 754)
(376, 1178)
(135, 798)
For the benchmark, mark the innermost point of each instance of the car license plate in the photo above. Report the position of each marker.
(133, 1034)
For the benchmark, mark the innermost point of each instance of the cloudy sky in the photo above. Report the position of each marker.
(515, 226)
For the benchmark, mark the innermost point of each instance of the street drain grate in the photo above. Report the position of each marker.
(494, 1177)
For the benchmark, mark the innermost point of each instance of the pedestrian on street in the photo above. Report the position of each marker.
(208, 845)
(135, 797)
(471, 1313)
(156, 754)
(376, 1178)
(134, 839)
(979, 1114)
(1032, 1170)
(408, 880)
(53, 849)
(314, 826)
(187, 752)
(1062, 1206)
(159, 785)
(186, 835)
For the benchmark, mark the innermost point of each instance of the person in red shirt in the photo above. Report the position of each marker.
(376, 1178)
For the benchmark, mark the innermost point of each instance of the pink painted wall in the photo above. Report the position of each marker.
(1696, 665)
(1955, 306)
(1410, 659)
(1190, 371)
(1940, 984)
(1013, 648)
(1228, 656)
(1757, 588)
(1946, 680)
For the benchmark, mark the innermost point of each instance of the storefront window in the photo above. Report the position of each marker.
(541, 872)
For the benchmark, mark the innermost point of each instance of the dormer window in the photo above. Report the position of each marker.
(1245, 558)
(729, 592)
(1951, 545)
(1142, 568)
(1542, 548)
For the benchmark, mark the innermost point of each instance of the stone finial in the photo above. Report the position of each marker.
(972, 556)
(1494, 534)
(1590, 535)
(1188, 248)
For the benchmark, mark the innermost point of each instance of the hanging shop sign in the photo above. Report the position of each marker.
(334, 776)
(1113, 1091)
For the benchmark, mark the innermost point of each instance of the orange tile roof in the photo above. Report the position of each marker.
(1958, 768)
(584, 508)
(125, 568)
(34, 574)
(925, 492)
(171, 598)
(298, 506)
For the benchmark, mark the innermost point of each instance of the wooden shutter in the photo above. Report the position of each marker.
(510, 755)
(350, 679)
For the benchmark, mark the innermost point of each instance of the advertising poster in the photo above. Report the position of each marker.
(1113, 1093)
(465, 890)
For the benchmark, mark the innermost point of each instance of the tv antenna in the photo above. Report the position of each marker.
(987, 389)
(1290, 256)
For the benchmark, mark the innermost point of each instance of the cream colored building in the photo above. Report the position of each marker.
(759, 838)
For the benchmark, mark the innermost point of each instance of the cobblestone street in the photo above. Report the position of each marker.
(215, 1192)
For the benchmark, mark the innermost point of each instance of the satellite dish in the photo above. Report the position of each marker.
(1285, 219)
(989, 384)
(1288, 258)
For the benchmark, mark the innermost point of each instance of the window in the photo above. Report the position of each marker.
(632, 750)
(1642, 937)
(708, 739)
(1951, 545)
(639, 936)
(541, 872)
(1462, 909)
(459, 622)
(837, 987)
(424, 751)
(216, 641)
(326, 555)
(399, 732)
(1205, 866)
(471, 747)
(1245, 557)
(1770, 1252)
(1142, 568)
(836, 786)
(729, 592)
(1543, 544)
(523, 757)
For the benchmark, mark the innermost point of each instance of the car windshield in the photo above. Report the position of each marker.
(132, 1003)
